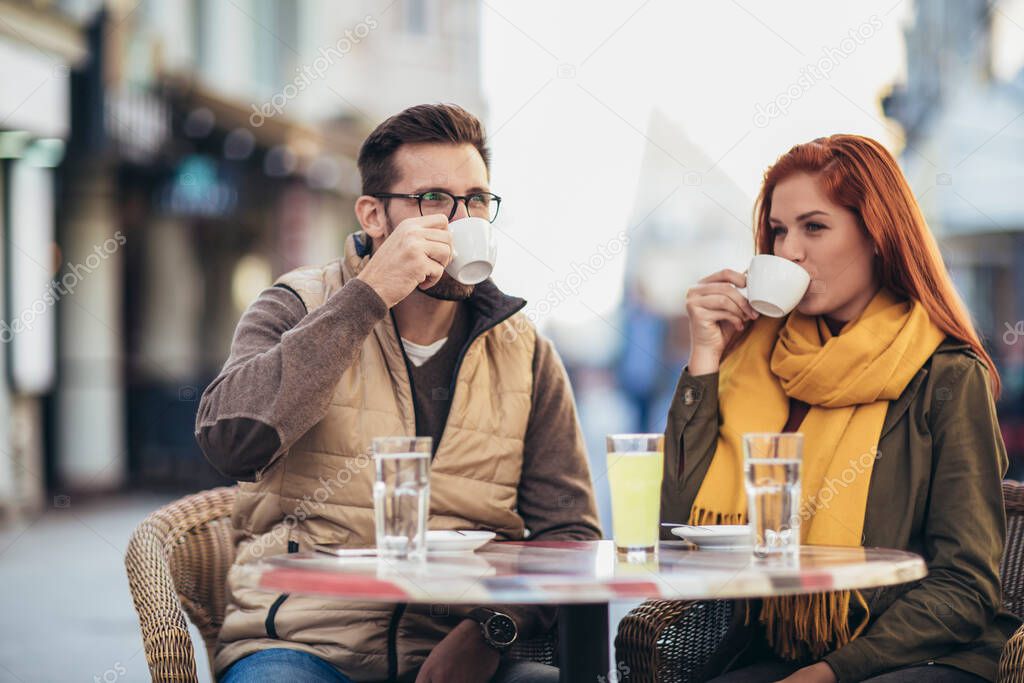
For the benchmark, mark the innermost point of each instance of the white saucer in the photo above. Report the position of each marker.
(716, 535)
(445, 541)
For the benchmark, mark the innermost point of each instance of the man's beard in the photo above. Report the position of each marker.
(447, 288)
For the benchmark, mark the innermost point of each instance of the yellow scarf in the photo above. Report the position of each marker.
(848, 380)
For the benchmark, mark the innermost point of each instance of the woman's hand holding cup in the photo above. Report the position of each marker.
(718, 311)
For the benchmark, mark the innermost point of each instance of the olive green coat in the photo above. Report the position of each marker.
(935, 491)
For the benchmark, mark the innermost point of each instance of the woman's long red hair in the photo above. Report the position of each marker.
(860, 174)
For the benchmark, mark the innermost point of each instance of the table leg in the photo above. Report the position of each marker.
(583, 643)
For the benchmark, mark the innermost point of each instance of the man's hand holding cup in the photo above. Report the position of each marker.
(414, 255)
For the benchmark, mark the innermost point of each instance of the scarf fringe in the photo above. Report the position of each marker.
(802, 627)
(702, 517)
(798, 627)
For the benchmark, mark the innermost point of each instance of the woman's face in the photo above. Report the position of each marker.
(827, 241)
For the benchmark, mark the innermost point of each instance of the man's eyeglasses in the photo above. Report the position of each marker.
(479, 204)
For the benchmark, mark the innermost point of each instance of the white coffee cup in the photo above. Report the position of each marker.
(775, 285)
(474, 250)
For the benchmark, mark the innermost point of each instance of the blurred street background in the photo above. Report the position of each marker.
(162, 161)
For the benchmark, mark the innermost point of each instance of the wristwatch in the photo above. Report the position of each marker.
(499, 629)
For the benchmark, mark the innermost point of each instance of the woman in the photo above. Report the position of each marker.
(880, 357)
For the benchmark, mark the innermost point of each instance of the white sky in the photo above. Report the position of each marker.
(567, 150)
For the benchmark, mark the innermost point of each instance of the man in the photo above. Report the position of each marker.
(318, 368)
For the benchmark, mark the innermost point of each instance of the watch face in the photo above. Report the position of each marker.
(501, 629)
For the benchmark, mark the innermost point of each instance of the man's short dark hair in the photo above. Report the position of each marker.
(448, 123)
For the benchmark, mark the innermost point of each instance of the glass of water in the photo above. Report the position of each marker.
(401, 495)
(771, 465)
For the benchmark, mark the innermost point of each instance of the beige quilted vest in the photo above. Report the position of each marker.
(320, 490)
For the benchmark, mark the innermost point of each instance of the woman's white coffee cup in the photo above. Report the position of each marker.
(474, 250)
(775, 285)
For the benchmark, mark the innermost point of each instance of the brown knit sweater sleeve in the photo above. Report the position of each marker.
(278, 379)
(556, 496)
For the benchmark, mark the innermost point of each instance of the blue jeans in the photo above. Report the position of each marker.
(295, 666)
(282, 664)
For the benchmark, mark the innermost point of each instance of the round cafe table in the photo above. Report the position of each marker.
(581, 578)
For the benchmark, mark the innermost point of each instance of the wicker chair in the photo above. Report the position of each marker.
(1011, 664)
(178, 558)
(672, 642)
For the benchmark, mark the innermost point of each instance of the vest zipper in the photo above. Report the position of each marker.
(469, 342)
(462, 353)
(458, 360)
(396, 617)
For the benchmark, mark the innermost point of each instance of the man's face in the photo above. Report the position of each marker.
(456, 169)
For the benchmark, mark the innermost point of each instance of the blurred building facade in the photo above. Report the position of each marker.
(968, 178)
(210, 146)
(39, 48)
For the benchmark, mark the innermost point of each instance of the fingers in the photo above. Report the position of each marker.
(441, 236)
(441, 252)
(435, 242)
(435, 221)
(699, 305)
(714, 292)
(727, 317)
(719, 303)
(727, 275)
(426, 235)
(432, 274)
